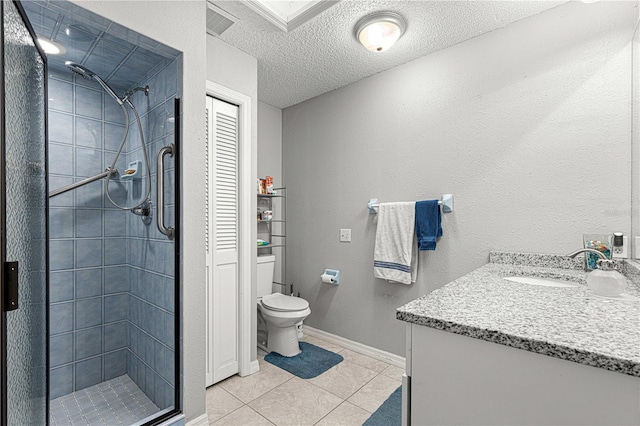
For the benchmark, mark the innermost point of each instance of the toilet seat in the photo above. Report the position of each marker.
(280, 303)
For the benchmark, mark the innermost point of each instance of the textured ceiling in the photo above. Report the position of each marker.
(322, 54)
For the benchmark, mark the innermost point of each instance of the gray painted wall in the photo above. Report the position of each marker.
(635, 193)
(523, 125)
(181, 24)
(270, 164)
(270, 142)
(238, 71)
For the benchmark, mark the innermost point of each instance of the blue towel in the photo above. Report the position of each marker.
(428, 224)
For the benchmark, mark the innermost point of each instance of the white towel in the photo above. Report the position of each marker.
(394, 256)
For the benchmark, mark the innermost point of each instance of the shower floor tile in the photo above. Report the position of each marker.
(114, 402)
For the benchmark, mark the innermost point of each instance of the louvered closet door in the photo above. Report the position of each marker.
(222, 240)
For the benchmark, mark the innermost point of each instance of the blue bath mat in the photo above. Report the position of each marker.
(310, 363)
(389, 413)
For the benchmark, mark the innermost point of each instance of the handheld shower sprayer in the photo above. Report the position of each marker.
(87, 74)
(83, 72)
(143, 208)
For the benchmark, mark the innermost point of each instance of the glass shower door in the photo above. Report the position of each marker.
(23, 224)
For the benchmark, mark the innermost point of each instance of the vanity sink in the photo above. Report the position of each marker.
(546, 282)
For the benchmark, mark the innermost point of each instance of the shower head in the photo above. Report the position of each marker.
(86, 73)
(78, 69)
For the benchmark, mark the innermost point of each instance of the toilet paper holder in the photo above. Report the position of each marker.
(330, 276)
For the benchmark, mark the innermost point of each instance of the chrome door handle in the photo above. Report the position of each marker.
(168, 231)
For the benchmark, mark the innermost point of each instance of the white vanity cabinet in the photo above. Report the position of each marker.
(488, 350)
(461, 380)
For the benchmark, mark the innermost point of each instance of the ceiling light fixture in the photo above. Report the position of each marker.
(379, 31)
(50, 47)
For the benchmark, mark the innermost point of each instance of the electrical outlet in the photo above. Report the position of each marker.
(345, 235)
(623, 250)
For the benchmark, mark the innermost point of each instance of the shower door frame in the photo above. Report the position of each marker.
(177, 113)
(177, 108)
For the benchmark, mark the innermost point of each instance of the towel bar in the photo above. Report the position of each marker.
(446, 203)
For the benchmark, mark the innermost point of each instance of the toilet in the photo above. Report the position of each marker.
(281, 313)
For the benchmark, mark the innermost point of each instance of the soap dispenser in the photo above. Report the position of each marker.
(604, 281)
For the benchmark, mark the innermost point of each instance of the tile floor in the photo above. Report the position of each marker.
(346, 394)
(114, 402)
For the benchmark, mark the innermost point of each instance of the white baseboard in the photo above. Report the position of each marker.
(378, 354)
(254, 367)
(203, 420)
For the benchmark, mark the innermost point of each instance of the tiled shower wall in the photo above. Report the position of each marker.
(112, 282)
(150, 256)
(89, 285)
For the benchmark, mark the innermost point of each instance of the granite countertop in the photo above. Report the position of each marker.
(567, 323)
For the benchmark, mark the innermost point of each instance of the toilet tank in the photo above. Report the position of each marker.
(266, 268)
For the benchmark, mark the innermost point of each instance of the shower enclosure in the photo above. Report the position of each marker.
(23, 322)
(109, 354)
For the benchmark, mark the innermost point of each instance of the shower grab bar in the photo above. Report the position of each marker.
(168, 231)
(108, 171)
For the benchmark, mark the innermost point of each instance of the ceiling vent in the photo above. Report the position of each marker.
(218, 21)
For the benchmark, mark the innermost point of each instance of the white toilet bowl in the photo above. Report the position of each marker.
(282, 314)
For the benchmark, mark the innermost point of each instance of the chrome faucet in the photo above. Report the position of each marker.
(604, 263)
(587, 250)
(604, 281)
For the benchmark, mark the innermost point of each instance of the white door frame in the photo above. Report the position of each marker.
(246, 190)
